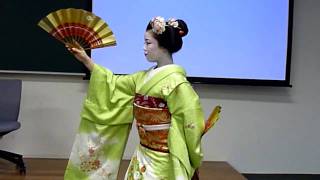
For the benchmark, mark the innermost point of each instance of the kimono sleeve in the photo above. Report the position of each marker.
(105, 124)
(187, 113)
(109, 97)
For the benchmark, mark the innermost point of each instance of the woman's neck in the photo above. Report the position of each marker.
(165, 60)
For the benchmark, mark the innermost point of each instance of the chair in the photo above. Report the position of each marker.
(10, 95)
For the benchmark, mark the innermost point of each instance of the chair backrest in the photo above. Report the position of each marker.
(10, 95)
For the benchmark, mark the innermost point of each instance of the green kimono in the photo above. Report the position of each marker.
(107, 117)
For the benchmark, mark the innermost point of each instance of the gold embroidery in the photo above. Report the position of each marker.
(156, 139)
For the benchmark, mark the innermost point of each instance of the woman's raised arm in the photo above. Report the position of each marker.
(81, 56)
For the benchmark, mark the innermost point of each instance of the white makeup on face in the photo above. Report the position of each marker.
(155, 53)
(151, 47)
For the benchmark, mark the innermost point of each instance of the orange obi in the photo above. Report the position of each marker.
(153, 122)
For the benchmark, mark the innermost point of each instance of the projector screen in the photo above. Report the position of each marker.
(229, 41)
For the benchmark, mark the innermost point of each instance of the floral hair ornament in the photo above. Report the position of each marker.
(158, 25)
(174, 23)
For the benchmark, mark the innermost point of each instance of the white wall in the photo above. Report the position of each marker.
(262, 130)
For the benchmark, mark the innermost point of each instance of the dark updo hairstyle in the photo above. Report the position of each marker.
(171, 38)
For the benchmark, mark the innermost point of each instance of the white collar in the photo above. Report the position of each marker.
(153, 71)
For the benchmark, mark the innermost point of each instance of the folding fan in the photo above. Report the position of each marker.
(78, 28)
(213, 118)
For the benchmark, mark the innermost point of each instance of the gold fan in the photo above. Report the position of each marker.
(78, 28)
(213, 118)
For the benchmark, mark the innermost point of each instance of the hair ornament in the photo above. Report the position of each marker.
(158, 25)
(181, 33)
(173, 22)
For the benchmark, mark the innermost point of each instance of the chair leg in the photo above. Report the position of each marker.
(15, 158)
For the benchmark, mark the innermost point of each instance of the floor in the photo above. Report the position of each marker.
(53, 169)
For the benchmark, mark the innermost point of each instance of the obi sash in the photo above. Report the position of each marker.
(153, 122)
